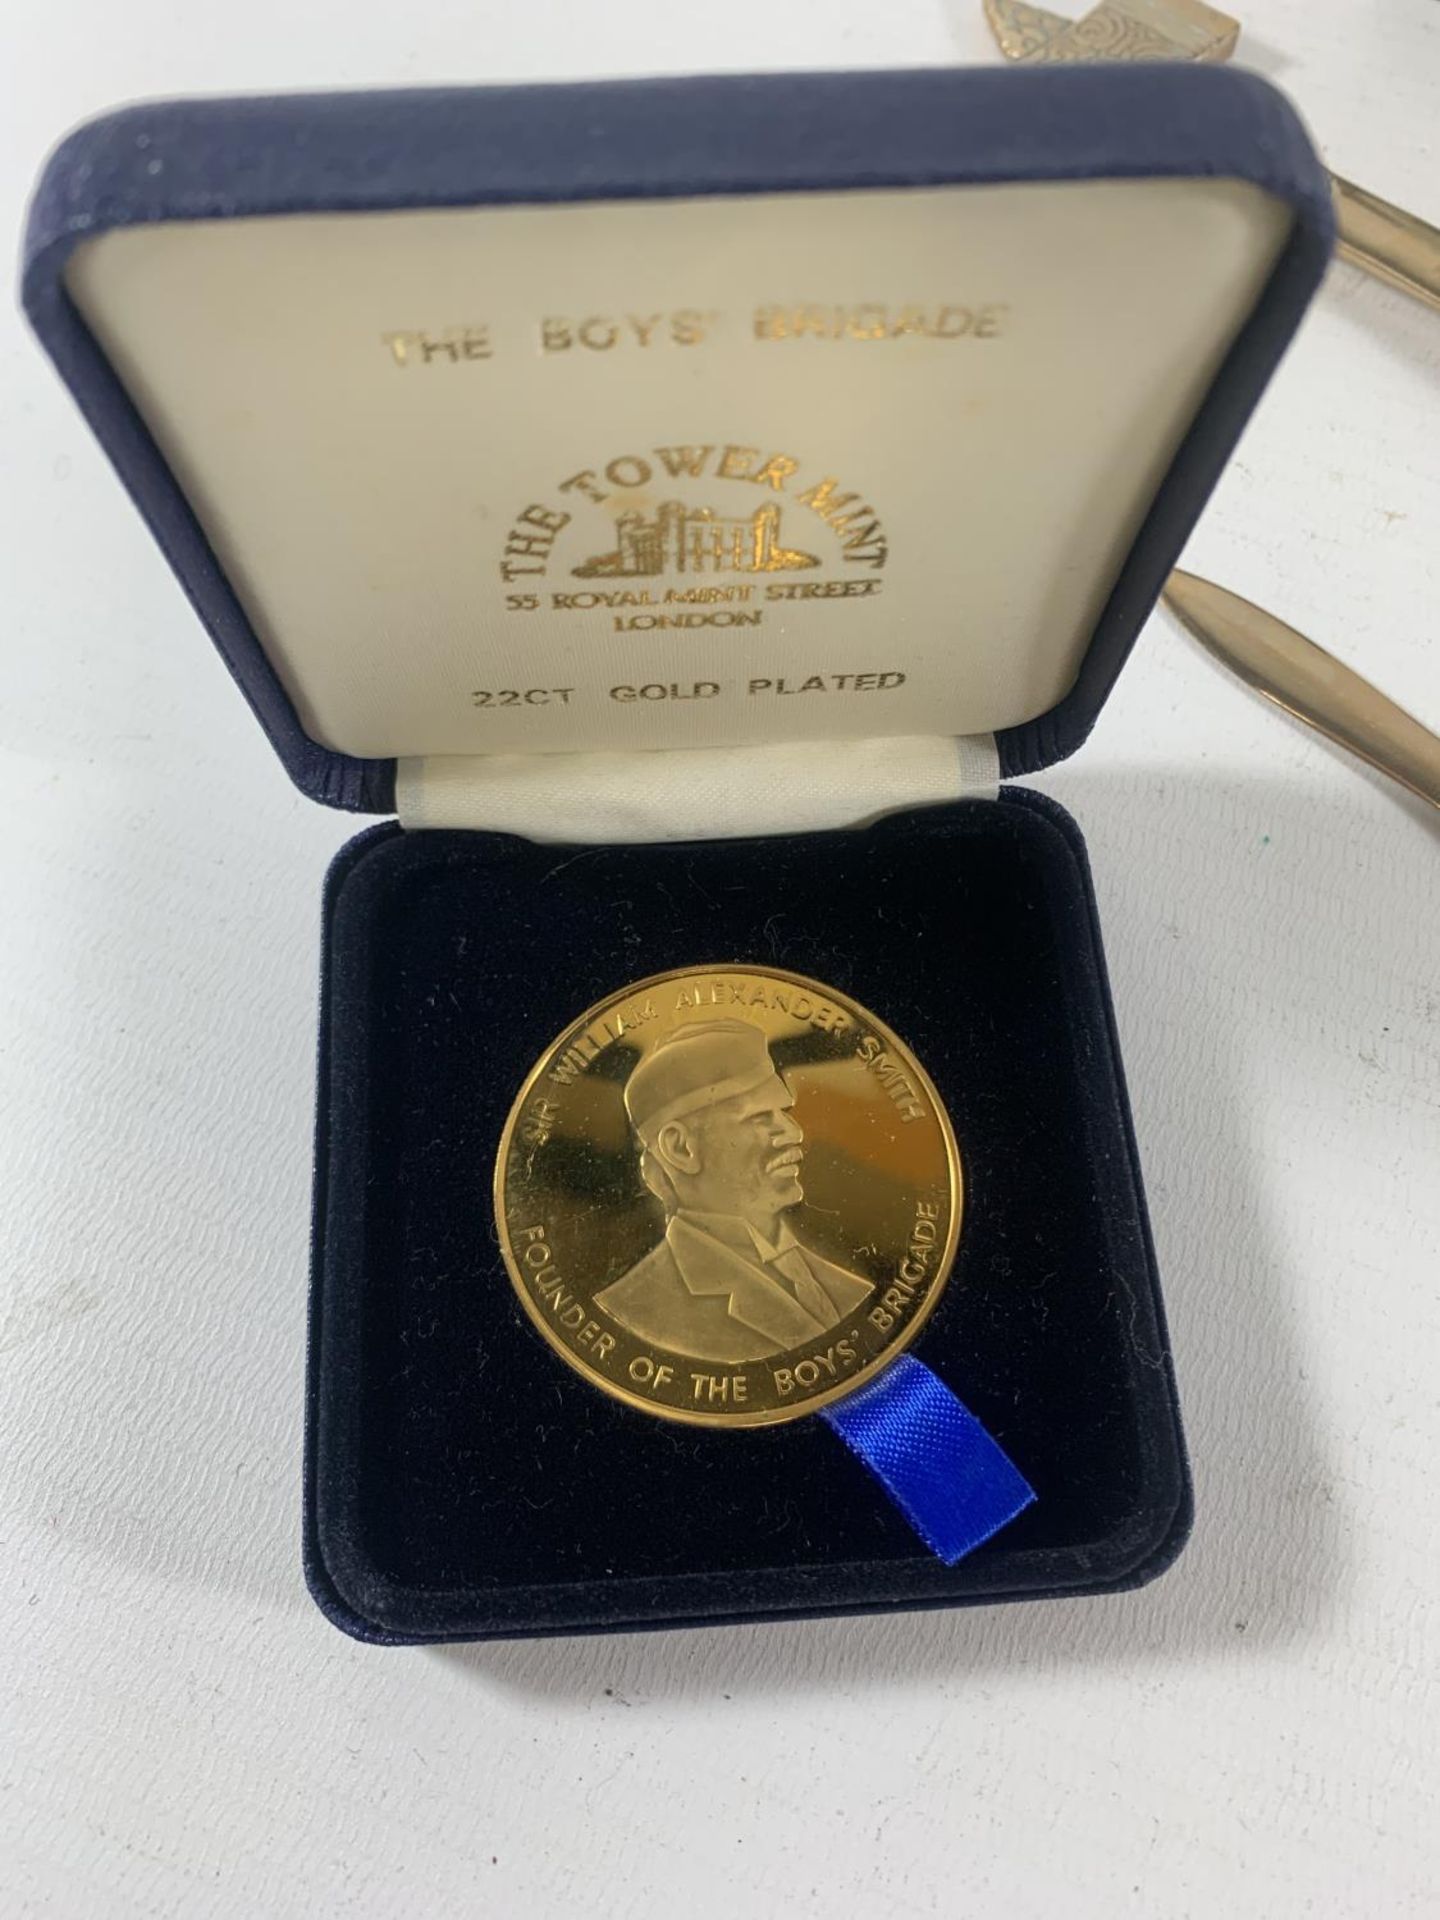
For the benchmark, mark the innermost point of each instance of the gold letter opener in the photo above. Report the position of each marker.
(1385, 240)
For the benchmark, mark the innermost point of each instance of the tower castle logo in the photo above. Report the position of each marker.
(684, 539)
(664, 520)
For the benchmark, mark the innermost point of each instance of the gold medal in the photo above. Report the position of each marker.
(728, 1195)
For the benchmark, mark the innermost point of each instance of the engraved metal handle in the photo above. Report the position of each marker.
(1308, 682)
(1396, 246)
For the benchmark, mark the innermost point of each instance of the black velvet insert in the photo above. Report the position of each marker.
(463, 1482)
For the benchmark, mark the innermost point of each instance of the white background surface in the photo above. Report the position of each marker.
(1256, 1735)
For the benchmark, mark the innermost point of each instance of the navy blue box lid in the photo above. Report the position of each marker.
(227, 160)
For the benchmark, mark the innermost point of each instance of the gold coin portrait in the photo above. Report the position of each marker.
(728, 1196)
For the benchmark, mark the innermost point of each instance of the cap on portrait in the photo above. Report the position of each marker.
(696, 1066)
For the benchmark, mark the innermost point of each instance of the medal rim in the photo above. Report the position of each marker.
(762, 1416)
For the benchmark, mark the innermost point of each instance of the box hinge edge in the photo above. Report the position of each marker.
(699, 793)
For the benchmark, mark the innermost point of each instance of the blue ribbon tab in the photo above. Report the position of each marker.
(952, 1482)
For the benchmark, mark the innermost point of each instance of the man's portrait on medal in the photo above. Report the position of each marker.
(721, 1150)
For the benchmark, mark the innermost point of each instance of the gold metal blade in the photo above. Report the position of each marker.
(1307, 682)
(1394, 245)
